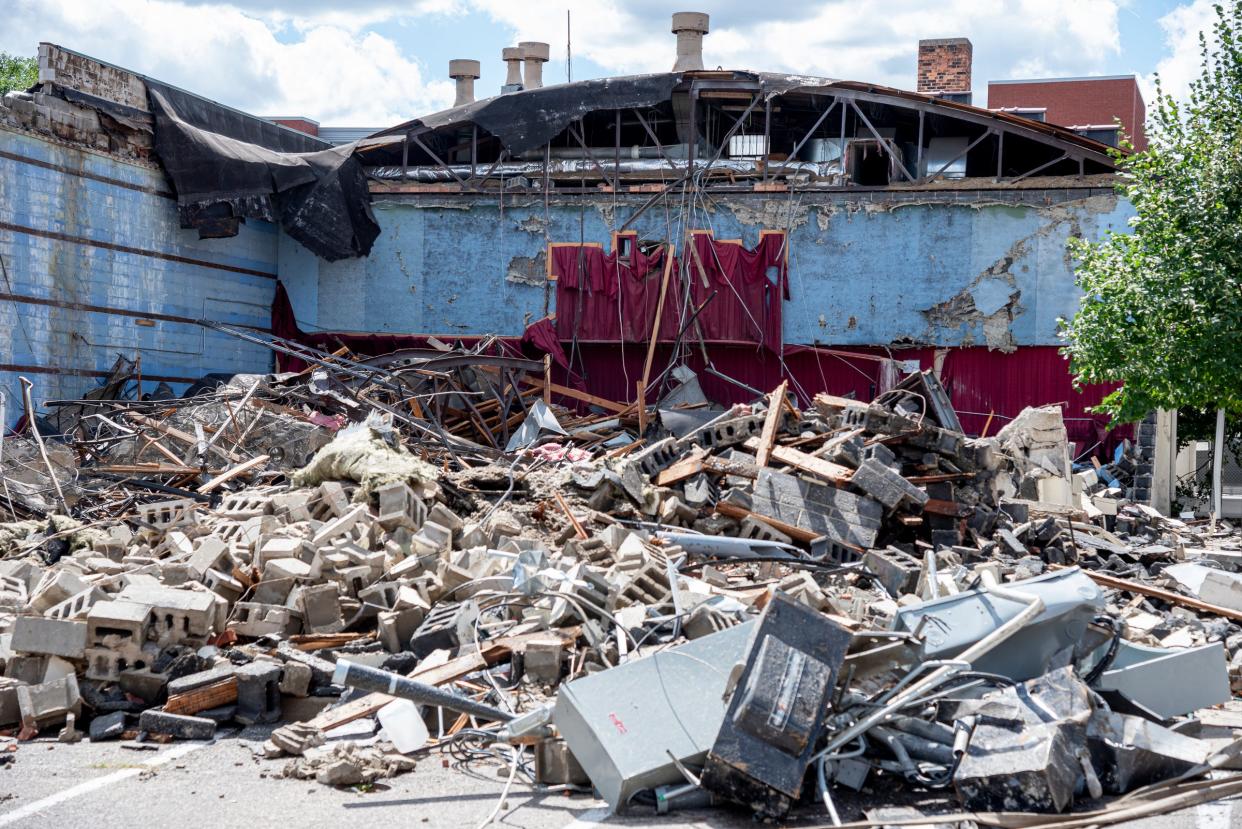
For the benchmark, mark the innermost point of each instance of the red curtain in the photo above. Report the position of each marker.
(601, 297)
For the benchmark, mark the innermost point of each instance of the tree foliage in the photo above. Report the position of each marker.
(1162, 311)
(17, 72)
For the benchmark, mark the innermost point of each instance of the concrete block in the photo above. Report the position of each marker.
(210, 553)
(543, 660)
(320, 607)
(10, 713)
(286, 568)
(1221, 588)
(255, 619)
(57, 637)
(177, 726)
(280, 548)
(396, 627)
(76, 606)
(340, 525)
(258, 693)
(897, 571)
(886, 486)
(190, 682)
(145, 684)
(107, 727)
(53, 588)
(166, 514)
(400, 507)
(295, 679)
(48, 703)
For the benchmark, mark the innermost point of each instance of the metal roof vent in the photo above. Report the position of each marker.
(465, 72)
(536, 55)
(689, 28)
(513, 68)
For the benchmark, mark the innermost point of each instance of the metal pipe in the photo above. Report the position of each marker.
(34, 430)
(354, 675)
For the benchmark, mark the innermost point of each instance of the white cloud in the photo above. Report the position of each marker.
(1181, 36)
(323, 59)
(328, 72)
(871, 41)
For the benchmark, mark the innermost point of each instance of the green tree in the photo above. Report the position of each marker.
(17, 72)
(1162, 310)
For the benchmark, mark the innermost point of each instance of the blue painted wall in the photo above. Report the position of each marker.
(941, 268)
(78, 342)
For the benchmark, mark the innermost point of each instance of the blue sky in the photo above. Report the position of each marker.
(380, 62)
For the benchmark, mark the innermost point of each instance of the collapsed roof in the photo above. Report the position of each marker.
(737, 125)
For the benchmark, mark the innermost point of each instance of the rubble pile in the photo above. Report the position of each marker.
(766, 607)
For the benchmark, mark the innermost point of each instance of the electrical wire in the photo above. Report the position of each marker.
(504, 794)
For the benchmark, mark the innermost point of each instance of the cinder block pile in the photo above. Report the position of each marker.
(896, 602)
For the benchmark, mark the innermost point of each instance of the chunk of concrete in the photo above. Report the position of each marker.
(55, 637)
(107, 727)
(48, 703)
(178, 726)
(258, 693)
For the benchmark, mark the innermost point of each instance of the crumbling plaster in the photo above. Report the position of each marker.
(871, 268)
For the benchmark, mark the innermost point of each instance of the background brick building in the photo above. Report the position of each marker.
(1087, 105)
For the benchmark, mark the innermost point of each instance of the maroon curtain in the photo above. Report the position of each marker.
(749, 287)
(600, 297)
(285, 326)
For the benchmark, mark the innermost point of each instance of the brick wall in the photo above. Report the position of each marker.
(306, 125)
(944, 65)
(1078, 102)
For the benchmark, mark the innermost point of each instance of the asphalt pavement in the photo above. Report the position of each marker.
(223, 784)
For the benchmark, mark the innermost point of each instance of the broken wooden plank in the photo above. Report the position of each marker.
(202, 699)
(833, 473)
(577, 525)
(583, 397)
(236, 471)
(773, 419)
(950, 508)
(184, 437)
(686, 467)
(1162, 594)
(740, 512)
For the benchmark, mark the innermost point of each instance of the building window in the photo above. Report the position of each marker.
(1105, 135)
(955, 97)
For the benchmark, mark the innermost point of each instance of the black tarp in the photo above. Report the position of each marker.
(525, 121)
(227, 166)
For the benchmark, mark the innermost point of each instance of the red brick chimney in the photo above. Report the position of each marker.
(944, 65)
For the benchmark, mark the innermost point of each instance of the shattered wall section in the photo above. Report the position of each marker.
(951, 268)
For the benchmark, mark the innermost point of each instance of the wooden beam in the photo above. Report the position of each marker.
(687, 467)
(655, 324)
(833, 473)
(796, 533)
(950, 508)
(1164, 595)
(566, 391)
(236, 471)
(577, 525)
(763, 452)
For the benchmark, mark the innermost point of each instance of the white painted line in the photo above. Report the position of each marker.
(589, 819)
(98, 783)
